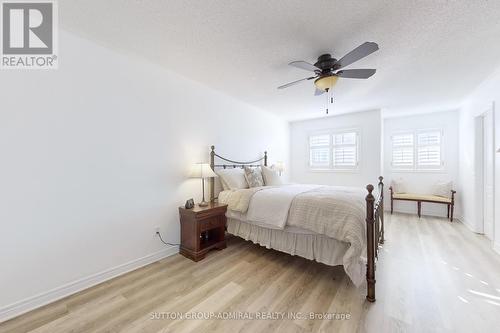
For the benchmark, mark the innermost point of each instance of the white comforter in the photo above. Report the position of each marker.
(336, 212)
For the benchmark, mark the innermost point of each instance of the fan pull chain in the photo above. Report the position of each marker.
(327, 91)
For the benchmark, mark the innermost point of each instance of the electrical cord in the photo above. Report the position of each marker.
(161, 239)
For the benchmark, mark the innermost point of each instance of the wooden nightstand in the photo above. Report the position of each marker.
(202, 229)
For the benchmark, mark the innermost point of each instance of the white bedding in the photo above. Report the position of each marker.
(269, 207)
(335, 212)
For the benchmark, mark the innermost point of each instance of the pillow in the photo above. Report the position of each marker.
(254, 177)
(442, 189)
(399, 186)
(232, 179)
(271, 177)
(224, 185)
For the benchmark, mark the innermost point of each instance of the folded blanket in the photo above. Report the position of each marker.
(270, 208)
(238, 200)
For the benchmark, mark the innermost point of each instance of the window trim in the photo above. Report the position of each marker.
(330, 167)
(415, 168)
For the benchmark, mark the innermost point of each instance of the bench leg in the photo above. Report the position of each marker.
(448, 214)
(419, 208)
(392, 203)
(451, 215)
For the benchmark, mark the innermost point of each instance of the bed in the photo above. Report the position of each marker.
(329, 224)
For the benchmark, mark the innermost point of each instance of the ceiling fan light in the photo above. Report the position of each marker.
(326, 82)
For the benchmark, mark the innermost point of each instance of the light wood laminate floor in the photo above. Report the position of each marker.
(432, 276)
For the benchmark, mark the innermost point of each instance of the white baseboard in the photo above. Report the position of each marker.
(495, 245)
(469, 225)
(31, 303)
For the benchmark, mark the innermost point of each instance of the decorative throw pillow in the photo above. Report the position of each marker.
(399, 186)
(271, 177)
(442, 189)
(254, 177)
(232, 179)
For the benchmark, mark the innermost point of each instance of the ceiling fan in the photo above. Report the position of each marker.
(327, 69)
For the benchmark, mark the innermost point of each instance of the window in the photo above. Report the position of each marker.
(403, 151)
(429, 150)
(344, 150)
(419, 150)
(334, 151)
(320, 151)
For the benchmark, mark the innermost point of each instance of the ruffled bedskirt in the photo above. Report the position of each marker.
(311, 246)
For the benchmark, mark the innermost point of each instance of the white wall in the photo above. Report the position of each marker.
(422, 181)
(478, 102)
(94, 156)
(369, 125)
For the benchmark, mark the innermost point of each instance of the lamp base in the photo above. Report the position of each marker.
(203, 204)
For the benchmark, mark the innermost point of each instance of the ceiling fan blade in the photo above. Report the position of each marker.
(356, 73)
(318, 92)
(304, 65)
(295, 82)
(360, 52)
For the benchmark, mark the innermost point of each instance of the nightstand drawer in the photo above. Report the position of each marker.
(211, 223)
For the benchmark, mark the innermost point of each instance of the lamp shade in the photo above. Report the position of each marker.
(280, 166)
(202, 170)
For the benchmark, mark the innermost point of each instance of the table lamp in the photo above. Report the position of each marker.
(202, 170)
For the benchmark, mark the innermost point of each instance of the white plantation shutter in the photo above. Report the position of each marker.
(429, 150)
(319, 146)
(429, 138)
(344, 138)
(402, 157)
(333, 150)
(344, 157)
(345, 150)
(429, 157)
(319, 140)
(420, 150)
(403, 151)
(320, 157)
(402, 139)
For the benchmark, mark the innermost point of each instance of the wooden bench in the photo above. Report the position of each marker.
(419, 198)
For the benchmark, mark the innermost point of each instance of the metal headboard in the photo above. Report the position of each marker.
(235, 164)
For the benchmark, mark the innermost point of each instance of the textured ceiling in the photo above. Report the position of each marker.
(432, 53)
